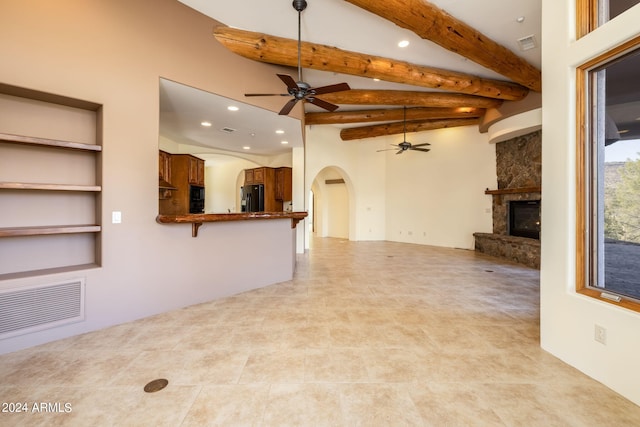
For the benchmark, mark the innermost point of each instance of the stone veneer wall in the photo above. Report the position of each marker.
(518, 165)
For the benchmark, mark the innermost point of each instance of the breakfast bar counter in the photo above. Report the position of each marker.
(196, 220)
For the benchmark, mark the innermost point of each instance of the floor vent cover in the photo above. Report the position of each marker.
(40, 307)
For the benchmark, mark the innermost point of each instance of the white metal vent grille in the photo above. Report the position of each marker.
(40, 307)
(528, 42)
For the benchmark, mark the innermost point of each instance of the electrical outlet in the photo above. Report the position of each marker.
(600, 334)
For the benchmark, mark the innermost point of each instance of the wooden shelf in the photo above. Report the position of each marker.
(48, 230)
(62, 211)
(48, 187)
(44, 142)
(513, 191)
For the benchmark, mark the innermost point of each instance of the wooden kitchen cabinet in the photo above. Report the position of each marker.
(259, 175)
(186, 171)
(255, 176)
(196, 171)
(248, 176)
(283, 184)
(164, 166)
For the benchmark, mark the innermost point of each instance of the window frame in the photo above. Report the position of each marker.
(586, 17)
(585, 230)
(590, 14)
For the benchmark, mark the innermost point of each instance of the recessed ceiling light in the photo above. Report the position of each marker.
(376, 80)
(232, 108)
(403, 43)
(279, 131)
(520, 19)
(284, 142)
(246, 147)
(205, 124)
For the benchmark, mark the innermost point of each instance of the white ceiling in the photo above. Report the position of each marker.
(184, 108)
(343, 25)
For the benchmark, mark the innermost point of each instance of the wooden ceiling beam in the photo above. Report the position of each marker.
(388, 115)
(372, 131)
(434, 24)
(282, 51)
(409, 98)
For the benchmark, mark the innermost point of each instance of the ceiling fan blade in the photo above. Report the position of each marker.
(400, 152)
(323, 104)
(288, 107)
(420, 149)
(386, 149)
(289, 81)
(331, 88)
(420, 145)
(266, 94)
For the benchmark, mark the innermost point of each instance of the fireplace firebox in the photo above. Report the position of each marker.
(524, 218)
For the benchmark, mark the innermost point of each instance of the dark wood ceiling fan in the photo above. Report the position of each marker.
(301, 90)
(405, 145)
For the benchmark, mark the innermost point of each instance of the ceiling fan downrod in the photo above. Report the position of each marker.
(299, 5)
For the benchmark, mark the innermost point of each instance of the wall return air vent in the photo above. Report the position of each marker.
(34, 308)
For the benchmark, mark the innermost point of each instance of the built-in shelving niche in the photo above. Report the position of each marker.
(50, 183)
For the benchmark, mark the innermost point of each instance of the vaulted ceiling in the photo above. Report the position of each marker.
(463, 57)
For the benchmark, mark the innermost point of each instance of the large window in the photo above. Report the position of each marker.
(609, 176)
(593, 13)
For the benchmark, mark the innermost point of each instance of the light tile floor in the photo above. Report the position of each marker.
(367, 334)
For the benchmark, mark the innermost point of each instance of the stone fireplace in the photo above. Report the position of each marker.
(519, 172)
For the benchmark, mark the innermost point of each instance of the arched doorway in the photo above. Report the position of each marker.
(329, 200)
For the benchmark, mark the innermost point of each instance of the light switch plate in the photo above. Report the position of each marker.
(116, 217)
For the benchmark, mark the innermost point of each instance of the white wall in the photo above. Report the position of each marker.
(568, 319)
(434, 198)
(364, 172)
(437, 198)
(222, 192)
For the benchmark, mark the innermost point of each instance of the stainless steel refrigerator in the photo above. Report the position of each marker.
(253, 198)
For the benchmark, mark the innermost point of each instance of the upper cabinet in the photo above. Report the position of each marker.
(257, 176)
(283, 184)
(196, 171)
(164, 168)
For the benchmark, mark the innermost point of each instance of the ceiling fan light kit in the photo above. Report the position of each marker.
(300, 90)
